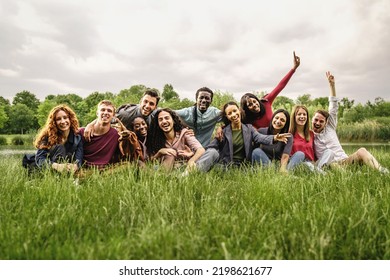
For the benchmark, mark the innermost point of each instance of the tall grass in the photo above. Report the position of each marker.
(366, 131)
(148, 214)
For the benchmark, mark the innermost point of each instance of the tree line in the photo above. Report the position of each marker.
(26, 113)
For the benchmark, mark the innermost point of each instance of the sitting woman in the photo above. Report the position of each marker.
(59, 144)
(279, 151)
(259, 112)
(169, 141)
(236, 147)
(139, 126)
(304, 139)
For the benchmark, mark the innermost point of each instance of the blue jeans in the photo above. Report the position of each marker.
(207, 160)
(260, 157)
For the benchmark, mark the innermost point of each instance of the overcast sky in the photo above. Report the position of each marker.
(74, 46)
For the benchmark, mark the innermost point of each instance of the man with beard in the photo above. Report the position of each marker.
(324, 126)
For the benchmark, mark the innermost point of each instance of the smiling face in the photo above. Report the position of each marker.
(279, 121)
(140, 127)
(233, 114)
(148, 104)
(204, 101)
(105, 113)
(253, 105)
(318, 122)
(165, 121)
(301, 117)
(62, 121)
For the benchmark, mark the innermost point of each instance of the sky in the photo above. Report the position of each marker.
(72, 46)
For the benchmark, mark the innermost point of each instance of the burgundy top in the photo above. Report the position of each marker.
(101, 150)
(307, 148)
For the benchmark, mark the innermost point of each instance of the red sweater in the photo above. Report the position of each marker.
(267, 101)
(307, 148)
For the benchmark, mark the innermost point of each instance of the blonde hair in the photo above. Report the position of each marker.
(107, 103)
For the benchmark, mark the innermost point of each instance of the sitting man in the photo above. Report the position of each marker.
(104, 148)
(324, 126)
(201, 117)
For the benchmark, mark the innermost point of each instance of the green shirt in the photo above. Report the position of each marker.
(238, 146)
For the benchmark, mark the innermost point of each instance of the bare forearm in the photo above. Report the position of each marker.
(283, 162)
(199, 152)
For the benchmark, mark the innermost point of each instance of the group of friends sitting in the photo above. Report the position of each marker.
(245, 134)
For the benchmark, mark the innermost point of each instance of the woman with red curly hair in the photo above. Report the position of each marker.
(59, 145)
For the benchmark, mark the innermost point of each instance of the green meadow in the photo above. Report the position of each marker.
(240, 214)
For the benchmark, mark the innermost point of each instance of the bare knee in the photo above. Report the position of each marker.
(362, 152)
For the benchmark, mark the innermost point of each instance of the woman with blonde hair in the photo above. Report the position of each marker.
(59, 145)
(304, 139)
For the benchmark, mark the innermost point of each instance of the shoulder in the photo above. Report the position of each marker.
(214, 110)
(127, 108)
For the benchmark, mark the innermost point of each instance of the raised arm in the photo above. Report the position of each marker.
(282, 84)
(331, 83)
(297, 61)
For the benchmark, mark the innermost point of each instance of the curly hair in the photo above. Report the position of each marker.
(286, 127)
(247, 115)
(50, 135)
(157, 139)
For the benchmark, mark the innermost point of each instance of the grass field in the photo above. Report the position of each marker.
(148, 214)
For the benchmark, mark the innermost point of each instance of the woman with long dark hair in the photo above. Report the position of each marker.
(278, 151)
(258, 112)
(238, 142)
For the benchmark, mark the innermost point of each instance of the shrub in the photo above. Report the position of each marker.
(17, 140)
(3, 141)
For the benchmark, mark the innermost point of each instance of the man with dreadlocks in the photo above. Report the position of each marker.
(201, 117)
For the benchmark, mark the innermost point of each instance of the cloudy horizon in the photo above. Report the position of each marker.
(60, 47)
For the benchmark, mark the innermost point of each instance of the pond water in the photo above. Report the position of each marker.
(16, 150)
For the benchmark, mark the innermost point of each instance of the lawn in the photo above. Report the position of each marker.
(149, 214)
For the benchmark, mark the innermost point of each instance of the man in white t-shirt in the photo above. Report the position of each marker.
(324, 125)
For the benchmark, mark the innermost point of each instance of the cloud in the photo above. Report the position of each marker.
(236, 46)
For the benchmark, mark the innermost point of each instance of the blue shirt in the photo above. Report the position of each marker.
(205, 123)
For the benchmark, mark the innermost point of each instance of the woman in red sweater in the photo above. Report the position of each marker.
(304, 139)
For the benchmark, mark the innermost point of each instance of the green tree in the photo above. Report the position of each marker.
(169, 93)
(345, 104)
(304, 99)
(355, 114)
(321, 102)
(283, 102)
(94, 98)
(4, 101)
(3, 116)
(5, 104)
(130, 96)
(27, 98)
(221, 98)
(22, 119)
(70, 99)
(43, 111)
